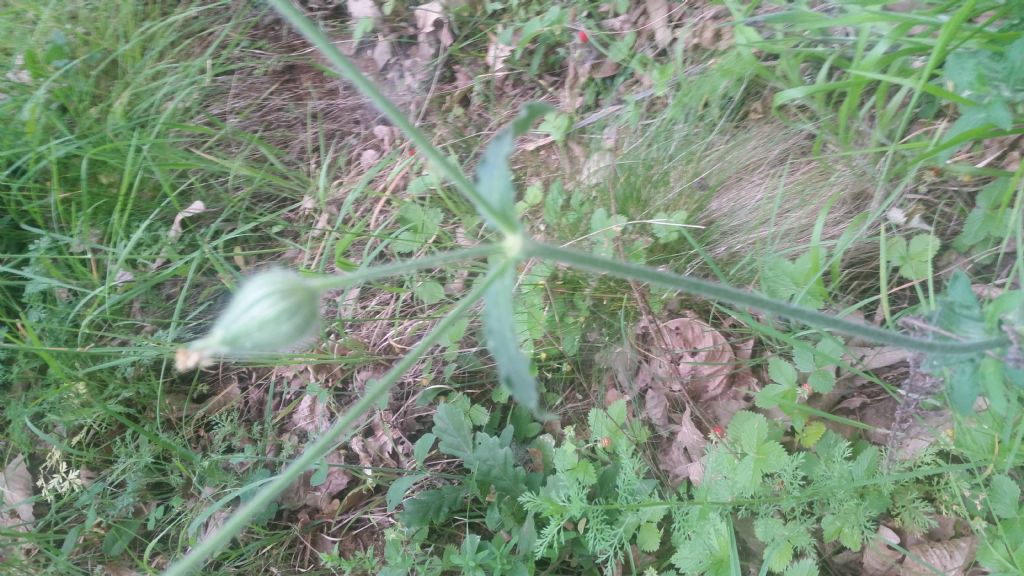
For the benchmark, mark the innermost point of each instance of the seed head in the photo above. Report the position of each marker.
(273, 311)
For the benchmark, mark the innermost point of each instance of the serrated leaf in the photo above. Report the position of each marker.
(648, 537)
(781, 372)
(773, 395)
(822, 381)
(917, 263)
(493, 175)
(503, 343)
(431, 506)
(495, 464)
(1004, 496)
(453, 428)
(399, 486)
(804, 359)
(896, 251)
(811, 434)
(749, 429)
(802, 567)
(429, 292)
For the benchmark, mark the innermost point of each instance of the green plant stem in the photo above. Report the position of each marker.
(404, 266)
(737, 297)
(346, 69)
(338, 432)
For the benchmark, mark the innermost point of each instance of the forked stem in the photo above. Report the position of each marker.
(338, 432)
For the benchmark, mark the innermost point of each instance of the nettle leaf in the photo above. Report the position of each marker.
(1004, 496)
(453, 428)
(503, 342)
(493, 175)
(991, 216)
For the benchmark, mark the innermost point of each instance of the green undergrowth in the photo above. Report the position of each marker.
(107, 140)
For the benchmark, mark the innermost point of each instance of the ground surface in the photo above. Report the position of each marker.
(863, 161)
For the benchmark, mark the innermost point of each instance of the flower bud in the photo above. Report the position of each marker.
(273, 311)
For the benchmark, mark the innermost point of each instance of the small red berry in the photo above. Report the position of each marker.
(583, 37)
(718, 431)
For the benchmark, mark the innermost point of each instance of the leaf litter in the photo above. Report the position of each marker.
(17, 513)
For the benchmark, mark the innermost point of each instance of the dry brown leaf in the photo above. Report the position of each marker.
(724, 406)
(301, 493)
(701, 357)
(178, 405)
(681, 455)
(873, 358)
(710, 35)
(360, 9)
(879, 558)
(623, 22)
(382, 52)
(197, 207)
(214, 522)
(598, 167)
(311, 416)
(16, 483)
(497, 54)
(657, 17)
(923, 432)
(427, 18)
(118, 569)
(17, 512)
(368, 158)
(656, 407)
(951, 558)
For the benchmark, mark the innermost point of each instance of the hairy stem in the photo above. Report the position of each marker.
(404, 266)
(346, 69)
(737, 297)
(338, 432)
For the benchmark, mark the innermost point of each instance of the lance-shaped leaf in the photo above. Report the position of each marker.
(493, 175)
(499, 331)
